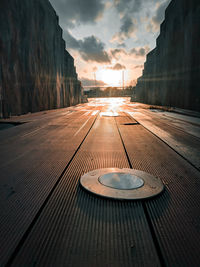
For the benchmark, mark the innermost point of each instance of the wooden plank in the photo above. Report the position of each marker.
(174, 215)
(31, 164)
(77, 228)
(182, 136)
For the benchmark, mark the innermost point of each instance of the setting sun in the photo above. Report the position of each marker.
(110, 77)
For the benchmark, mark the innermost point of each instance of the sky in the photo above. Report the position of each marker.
(109, 39)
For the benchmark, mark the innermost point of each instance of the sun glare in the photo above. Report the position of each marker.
(110, 77)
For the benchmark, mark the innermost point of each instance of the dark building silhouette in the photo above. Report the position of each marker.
(36, 71)
(171, 74)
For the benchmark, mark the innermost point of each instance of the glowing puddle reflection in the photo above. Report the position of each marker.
(112, 105)
(109, 114)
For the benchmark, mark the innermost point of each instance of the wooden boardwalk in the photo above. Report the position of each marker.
(47, 219)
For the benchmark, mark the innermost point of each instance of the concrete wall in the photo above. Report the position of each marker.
(171, 74)
(36, 71)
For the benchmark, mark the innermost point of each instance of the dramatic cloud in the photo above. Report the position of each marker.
(127, 6)
(157, 19)
(117, 52)
(89, 25)
(71, 42)
(128, 9)
(130, 12)
(91, 82)
(118, 66)
(160, 13)
(90, 48)
(127, 29)
(139, 52)
(72, 12)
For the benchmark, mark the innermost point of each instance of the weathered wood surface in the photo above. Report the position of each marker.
(47, 219)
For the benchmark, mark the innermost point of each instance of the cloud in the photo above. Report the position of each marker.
(139, 67)
(118, 66)
(139, 52)
(160, 12)
(117, 52)
(120, 53)
(127, 6)
(127, 29)
(72, 12)
(71, 42)
(129, 9)
(90, 48)
(91, 82)
(121, 45)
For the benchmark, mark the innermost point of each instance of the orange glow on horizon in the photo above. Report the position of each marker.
(111, 77)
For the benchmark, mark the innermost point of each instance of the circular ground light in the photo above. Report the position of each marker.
(122, 183)
(120, 180)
